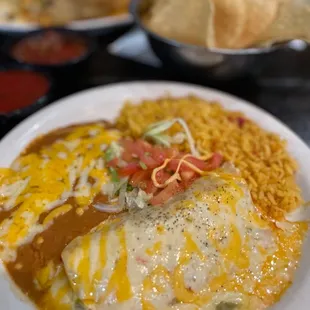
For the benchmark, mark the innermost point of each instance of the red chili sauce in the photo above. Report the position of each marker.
(49, 48)
(19, 89)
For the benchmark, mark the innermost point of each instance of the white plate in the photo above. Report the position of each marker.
(105, 102)
(80, 25)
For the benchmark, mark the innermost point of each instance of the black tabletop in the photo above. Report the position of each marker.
(283, 89)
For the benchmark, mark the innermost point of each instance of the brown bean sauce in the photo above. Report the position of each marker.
(35, 255)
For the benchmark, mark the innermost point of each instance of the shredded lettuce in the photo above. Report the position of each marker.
(142, 165)
(178, 138)
(108, 156)
(128, 197)
(122, 195)
(161, 139)
(159, 127)
(108, 189)
(113, 151)
(155, 133)
(114, 175)
(137, 199)
(111, 189)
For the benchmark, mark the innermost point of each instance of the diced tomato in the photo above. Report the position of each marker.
(129, 170)
(172, 152)
(162, 176)
(200, 164)
(159, 154)
(152, 156)
(113, 163)
(129, 149)
(139, 177)
(127, 157)
(139, 151)
(188, 177)
(149, 161)
(143, 185)
(150, 187)
(127, 144)
(173, 166)
(172, 189)
(142, 147)
(215, 161)
(142, 179)
(134, 149)
(241, 121)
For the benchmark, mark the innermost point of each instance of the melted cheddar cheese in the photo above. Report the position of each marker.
(39, 188)
(41, 183)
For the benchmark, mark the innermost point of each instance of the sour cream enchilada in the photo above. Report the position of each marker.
(108, 216)
(207, 246)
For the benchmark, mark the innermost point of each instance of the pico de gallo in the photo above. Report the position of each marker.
(143, 173)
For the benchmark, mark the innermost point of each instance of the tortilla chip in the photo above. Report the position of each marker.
(230, 24)
(181, 20)
(119, 6)
(7, 11)
(260, 16)
(227, 23)
(293, 22)
(61, 12)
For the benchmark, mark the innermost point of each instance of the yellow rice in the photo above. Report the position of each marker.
(261, 156)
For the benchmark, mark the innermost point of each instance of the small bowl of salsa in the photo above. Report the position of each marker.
(22, 92)
(51, 48)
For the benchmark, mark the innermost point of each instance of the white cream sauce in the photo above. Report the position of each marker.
(204, 245)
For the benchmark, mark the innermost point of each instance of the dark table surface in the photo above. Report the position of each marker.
(283, 89)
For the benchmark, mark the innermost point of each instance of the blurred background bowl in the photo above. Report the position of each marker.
(41, 50)
(201, 62)
(23, 92)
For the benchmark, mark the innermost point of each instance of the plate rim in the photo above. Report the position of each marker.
(163, 83)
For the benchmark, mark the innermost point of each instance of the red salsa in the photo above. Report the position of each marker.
(19, 89)
(49, 48)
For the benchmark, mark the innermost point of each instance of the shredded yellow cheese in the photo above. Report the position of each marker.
(176, 175)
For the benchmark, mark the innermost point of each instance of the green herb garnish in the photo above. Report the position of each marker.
(109, 155)
(156, 130)
(114, 175)
(113, 151)
(129, 188)
(143, 165)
